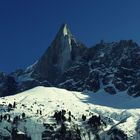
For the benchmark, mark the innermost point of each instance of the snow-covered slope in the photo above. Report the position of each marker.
(40, 104)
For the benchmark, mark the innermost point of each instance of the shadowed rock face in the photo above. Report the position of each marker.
(69, 64)
(111, 66)
(63, 51)
(8, 85)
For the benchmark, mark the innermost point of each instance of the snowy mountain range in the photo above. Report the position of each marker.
(69, 64)
(74, 93)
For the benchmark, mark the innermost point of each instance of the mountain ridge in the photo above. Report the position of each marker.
(71, 65)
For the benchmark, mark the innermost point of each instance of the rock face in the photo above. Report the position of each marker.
(8, 85)
(114, 67)
(63, 51)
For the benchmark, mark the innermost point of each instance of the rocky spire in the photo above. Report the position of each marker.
(64, 30)
(59, 56)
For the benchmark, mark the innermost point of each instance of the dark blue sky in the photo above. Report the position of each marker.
(27, 27)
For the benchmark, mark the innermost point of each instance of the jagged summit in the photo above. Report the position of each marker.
(64, 30)
(59, 56)
(63, 38)
(63, 33)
